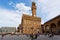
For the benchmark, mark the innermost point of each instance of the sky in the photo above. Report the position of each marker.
(11, 11)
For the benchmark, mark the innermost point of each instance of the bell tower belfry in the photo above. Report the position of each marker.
(33, 8)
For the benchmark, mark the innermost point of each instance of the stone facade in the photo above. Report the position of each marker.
(33, 8)
(7, 29)
(19, 29)
(31, 24)
(52, 25)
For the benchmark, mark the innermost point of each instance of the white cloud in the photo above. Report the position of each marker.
(13, 18)
(48, 8)
(21, 8)
(11, 4)
(9, 18)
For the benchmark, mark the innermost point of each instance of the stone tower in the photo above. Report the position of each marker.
(33, 8)
(31, 24)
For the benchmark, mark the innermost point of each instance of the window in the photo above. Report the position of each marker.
(52, 25)
(47, 27)
(58, 23)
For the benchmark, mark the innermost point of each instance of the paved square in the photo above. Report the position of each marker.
(24, 37)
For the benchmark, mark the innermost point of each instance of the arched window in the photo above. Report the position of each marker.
(47, 27)
(58, 23)
(52, 25)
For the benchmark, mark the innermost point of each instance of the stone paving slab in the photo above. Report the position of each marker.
(24, 37)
